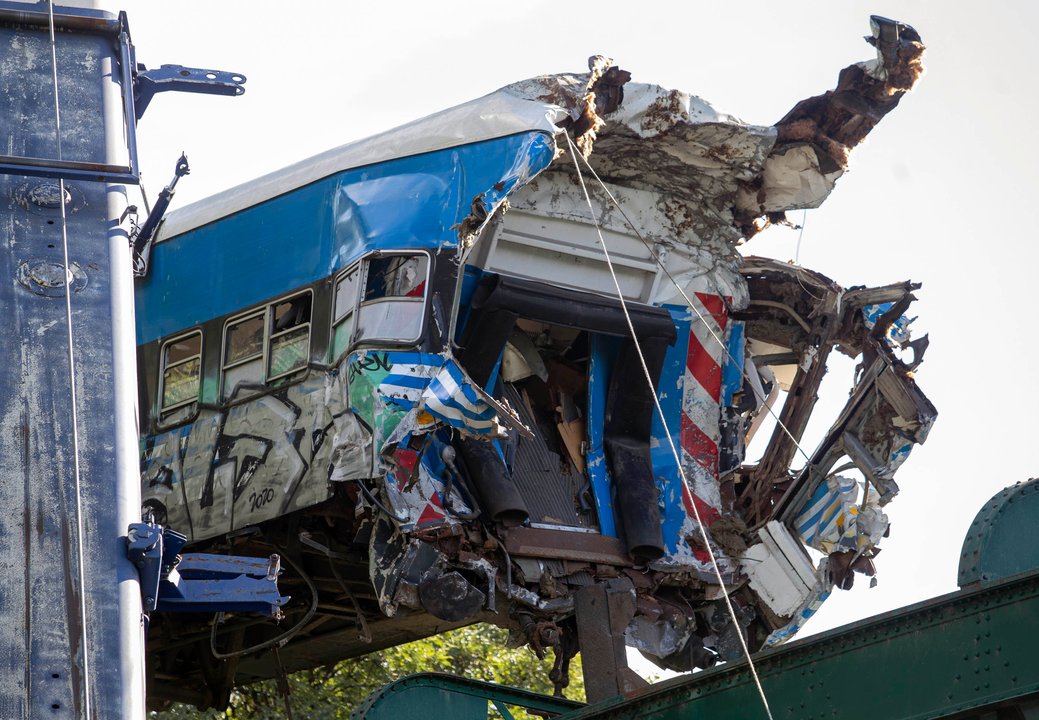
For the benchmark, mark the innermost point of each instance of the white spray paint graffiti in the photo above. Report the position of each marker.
(256, 461)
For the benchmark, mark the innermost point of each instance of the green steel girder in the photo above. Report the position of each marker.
(1003, 540)
(955, 653)
(967, 650)
(436, 696)
(944, 657)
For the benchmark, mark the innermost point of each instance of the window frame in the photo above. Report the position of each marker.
(266, 313)
(351, 310)
(362, 266)
(270, 336)
(255, 313)
(163, 368)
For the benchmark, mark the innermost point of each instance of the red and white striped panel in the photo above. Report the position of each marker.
(701, 411)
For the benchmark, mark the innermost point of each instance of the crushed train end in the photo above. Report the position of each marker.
(439, 408)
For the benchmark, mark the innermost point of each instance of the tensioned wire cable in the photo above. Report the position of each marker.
(87, 710)
(671, 442)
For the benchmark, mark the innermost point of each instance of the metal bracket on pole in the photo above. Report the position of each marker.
(171, 582)
(183, 79)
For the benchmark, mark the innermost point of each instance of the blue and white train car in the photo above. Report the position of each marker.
(463, 369)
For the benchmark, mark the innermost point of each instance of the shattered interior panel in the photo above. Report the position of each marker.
(456, 425)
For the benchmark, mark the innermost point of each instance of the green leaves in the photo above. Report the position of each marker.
(331, 693)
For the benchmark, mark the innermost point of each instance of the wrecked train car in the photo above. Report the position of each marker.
(409, 367)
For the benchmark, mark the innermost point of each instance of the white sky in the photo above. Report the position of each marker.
(933, 195)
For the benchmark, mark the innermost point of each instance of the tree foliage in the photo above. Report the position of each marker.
(477, 652)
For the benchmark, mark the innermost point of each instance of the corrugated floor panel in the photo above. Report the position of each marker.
(550, 493)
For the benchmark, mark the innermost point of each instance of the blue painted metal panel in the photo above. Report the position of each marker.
(602, 355)
(897, 332)
(171, 582)
(314, 231)
(669, 391)
(732, 370)
(471, 278)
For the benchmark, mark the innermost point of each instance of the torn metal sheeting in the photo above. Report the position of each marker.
(778, 570)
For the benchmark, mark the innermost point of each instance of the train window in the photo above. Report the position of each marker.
(244, 340)
(343, 317)
(290, 336)
(270, 343)
(181, 371)
(393, 298)
(243, 356)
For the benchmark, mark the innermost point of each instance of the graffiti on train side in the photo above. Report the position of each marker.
(369, 362)
(259, 460)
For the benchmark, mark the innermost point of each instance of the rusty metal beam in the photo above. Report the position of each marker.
(603, 611)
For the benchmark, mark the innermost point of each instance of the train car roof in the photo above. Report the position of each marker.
(496, 115)
(738, 176)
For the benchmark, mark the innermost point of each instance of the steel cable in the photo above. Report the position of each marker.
(667, 432)
(87, 705)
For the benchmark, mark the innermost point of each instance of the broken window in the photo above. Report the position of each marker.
(343, 313)
(290, 336)
(266, 345)
(181, 371)
(393, 298)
